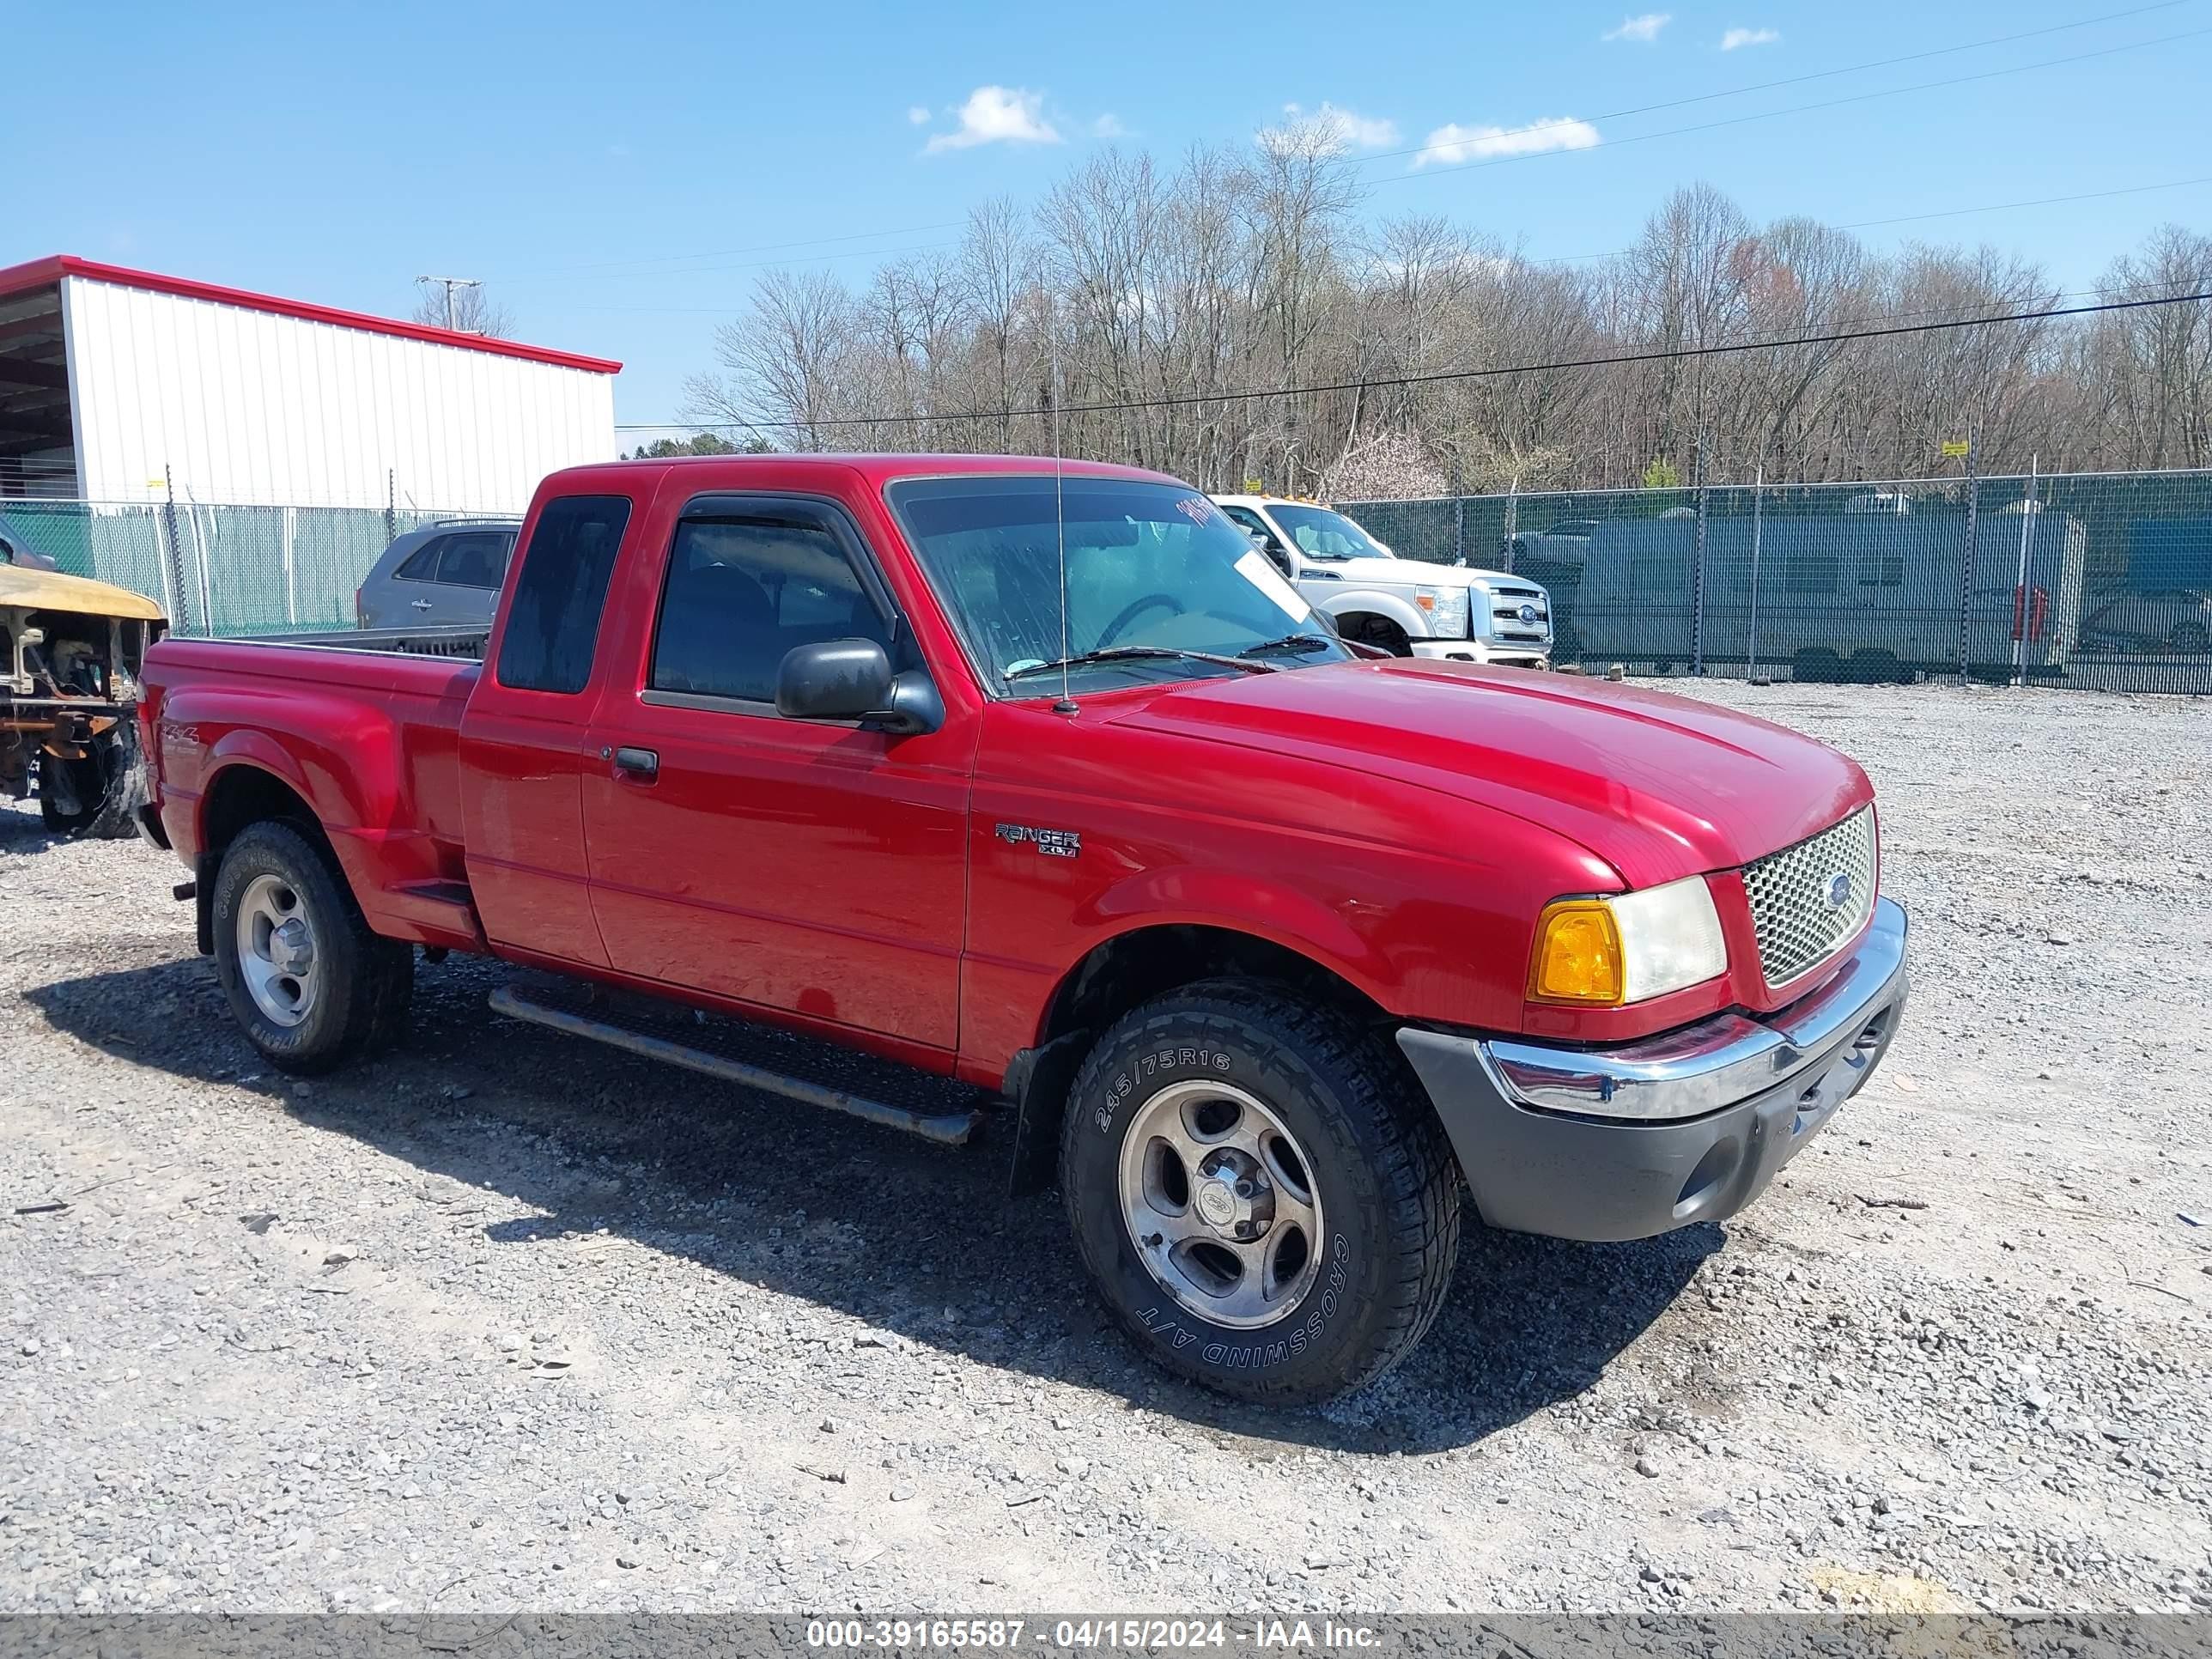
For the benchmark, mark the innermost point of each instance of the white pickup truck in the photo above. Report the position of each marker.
(1407, 606)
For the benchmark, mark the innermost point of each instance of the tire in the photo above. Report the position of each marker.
(1371, 1156)
(104, 790)
(60, 819)
(122, 783)
(350, 989)
(2189, 638)
(1384, 634)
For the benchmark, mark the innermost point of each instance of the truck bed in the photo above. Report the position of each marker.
(365, 733)
(465, 643)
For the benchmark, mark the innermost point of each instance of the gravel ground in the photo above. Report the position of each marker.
(508, 1320)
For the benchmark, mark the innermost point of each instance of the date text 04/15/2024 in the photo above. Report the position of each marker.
(1094, 1634)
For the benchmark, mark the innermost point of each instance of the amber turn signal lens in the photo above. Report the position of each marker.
(1578, 957)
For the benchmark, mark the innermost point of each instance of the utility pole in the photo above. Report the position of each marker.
(450, 283)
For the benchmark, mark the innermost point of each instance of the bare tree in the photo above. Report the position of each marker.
(792, 361)
(1179, 305)
(473, 312)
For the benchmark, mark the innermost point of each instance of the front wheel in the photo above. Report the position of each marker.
(312, 986)
(1259, 1191)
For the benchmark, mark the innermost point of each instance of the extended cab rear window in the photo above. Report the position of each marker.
(553, 622)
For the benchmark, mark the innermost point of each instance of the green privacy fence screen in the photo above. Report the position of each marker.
(219, 570)
(2097, 579)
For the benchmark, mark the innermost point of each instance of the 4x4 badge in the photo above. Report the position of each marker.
(1052, 843)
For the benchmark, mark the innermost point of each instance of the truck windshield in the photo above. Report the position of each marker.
(1149, 565)
(1321, 534)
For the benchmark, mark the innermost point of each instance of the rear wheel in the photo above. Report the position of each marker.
(312, 986)
(1259, 1193)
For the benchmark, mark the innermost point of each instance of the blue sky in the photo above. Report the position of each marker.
(619, 175)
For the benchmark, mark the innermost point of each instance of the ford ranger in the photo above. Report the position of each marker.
(1035, 795)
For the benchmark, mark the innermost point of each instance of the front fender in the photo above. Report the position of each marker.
(1204, 897)
(1374, 602)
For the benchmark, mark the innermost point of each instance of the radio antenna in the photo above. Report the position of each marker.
(1066, 704)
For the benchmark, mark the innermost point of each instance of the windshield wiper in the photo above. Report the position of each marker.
(1302, 645)
(1126, 653)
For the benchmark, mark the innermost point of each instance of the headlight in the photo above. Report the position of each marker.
(1447, 611)
(1607, 952)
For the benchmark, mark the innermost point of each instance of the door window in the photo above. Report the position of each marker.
(1246, 518)
(741, 592)
(553, 622)
(1253, 522)
(422, 564)
(477, 558)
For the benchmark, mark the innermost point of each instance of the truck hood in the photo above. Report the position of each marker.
(1400, 570)
(1659, 787)
(50, 590)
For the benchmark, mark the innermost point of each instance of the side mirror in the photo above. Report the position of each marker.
(1278, 557)
(851, 680)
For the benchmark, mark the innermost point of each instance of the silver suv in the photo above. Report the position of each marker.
(444, 574)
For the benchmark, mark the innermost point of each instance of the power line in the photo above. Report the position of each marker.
(1549, 259)
(620, 265)
(2047, 201)
(725, 310)
(1794, 109)
(1796, 80)
(1915, 218)
(1370, 382)
(630, 267)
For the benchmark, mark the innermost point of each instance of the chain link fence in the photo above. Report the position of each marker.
(2095, 580)
(219, 570)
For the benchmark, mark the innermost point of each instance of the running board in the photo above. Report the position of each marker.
(933, 1121)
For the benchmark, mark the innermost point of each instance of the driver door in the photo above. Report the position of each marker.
(813, 868)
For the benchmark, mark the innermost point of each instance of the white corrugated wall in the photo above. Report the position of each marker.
(237, 405)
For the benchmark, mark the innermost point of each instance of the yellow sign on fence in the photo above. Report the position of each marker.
(1956, 449)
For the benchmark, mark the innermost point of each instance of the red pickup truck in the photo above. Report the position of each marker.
(1038, 788)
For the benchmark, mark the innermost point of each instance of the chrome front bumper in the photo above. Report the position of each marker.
(1691, 1126)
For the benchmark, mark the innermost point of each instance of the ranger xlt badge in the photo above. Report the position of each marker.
(1052, 843)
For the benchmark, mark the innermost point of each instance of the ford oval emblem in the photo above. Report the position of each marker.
(1840, 890)
(1528, 613)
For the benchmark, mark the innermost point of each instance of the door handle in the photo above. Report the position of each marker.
(420, 604)
(638, 762)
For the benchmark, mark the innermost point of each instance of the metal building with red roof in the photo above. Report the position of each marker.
(126, 386)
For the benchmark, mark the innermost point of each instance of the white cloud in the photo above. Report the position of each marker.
(918, 114)
(1454, 142)
(1352, 129)
(1643, 26)
(1109, 126)
(1736, 38)
(997, 115)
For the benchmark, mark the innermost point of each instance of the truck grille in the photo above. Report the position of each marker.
(1505, 619)
(1793, 893)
